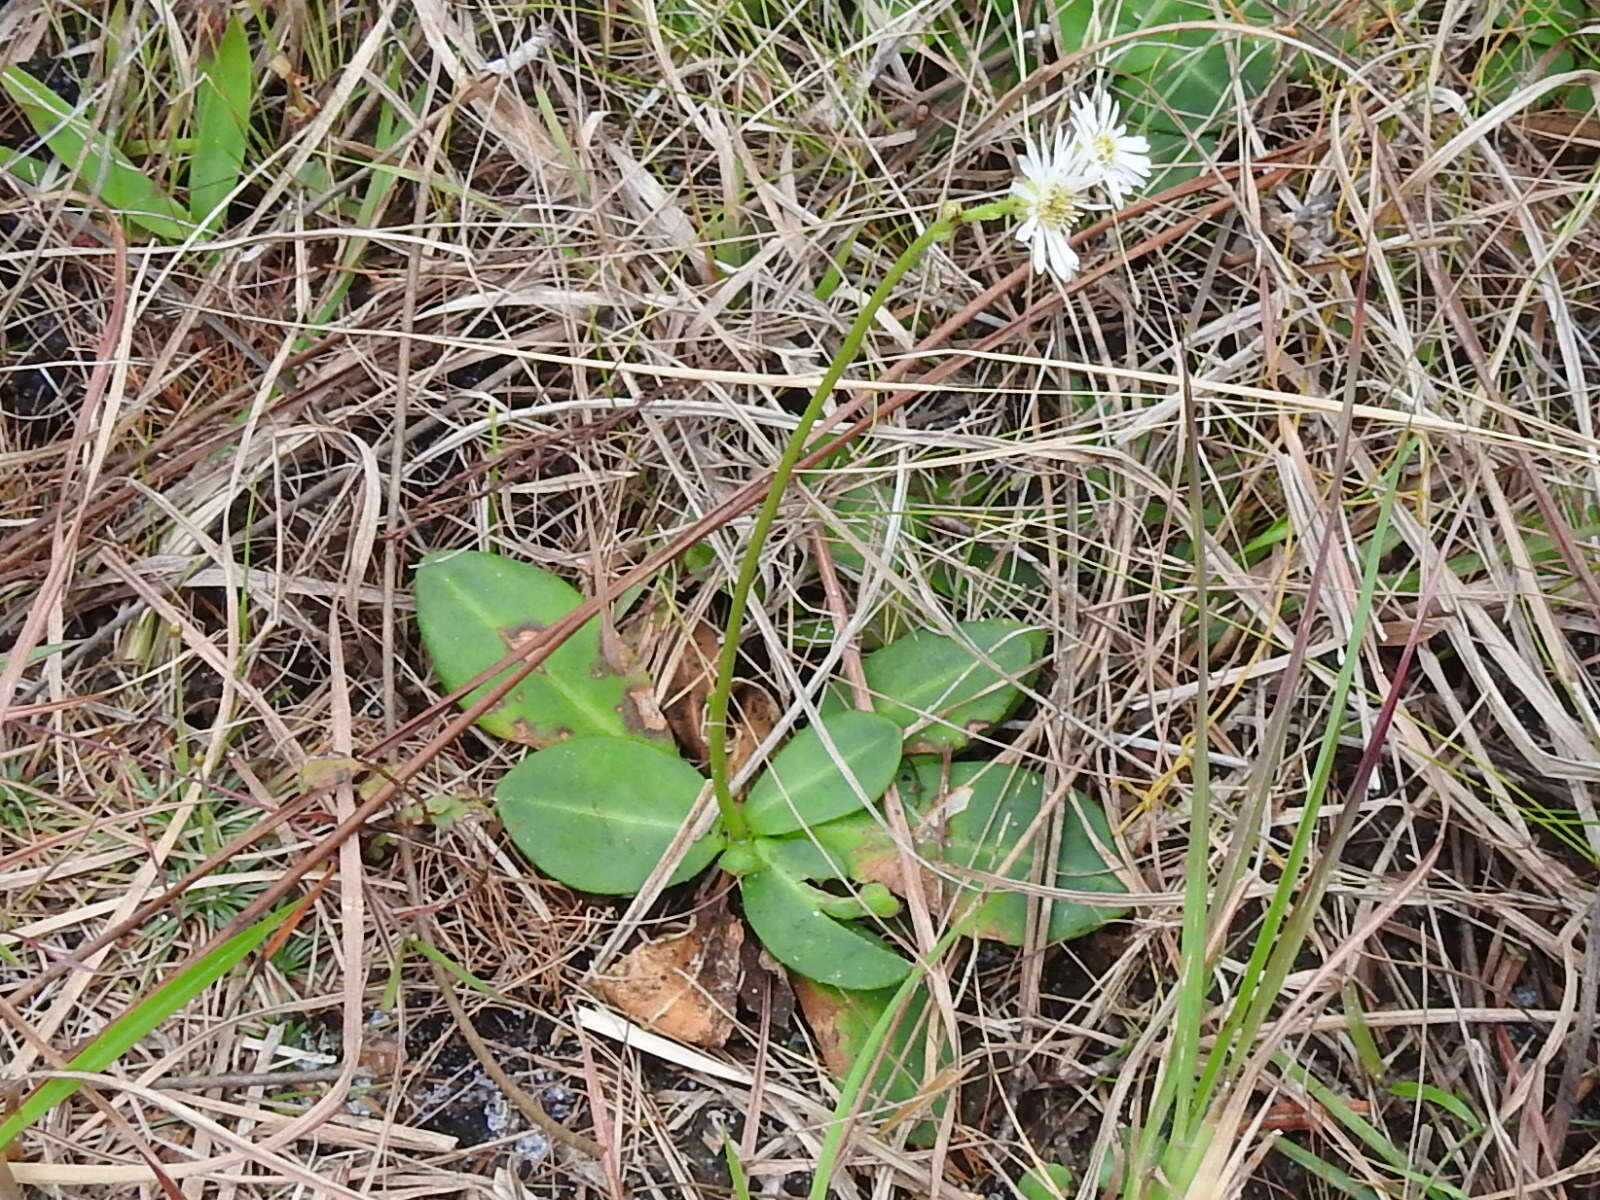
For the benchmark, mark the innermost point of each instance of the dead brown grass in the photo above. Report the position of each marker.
(579, 321)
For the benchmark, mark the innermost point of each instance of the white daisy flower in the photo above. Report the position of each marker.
(1119, 159)
(1053, 186)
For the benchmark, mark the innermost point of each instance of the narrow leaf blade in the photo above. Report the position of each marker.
(124, 188)
(154, 1010)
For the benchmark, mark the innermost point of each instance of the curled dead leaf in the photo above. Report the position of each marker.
(694, 668)
(824, 1009)
(683, 987)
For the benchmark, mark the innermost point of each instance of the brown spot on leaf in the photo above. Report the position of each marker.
(527, 735)
(519, 637)
(641, 713)
(684, 987)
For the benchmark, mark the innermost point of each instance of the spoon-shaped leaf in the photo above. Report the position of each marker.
(222, 120)
(474, 608)
(787, 915)
(807, 783)
(598, 813)
(843, 1022)
(973, 818)
(958, 685)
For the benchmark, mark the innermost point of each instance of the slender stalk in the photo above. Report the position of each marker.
(733, 821)
(1272, 956)
(866, 1061)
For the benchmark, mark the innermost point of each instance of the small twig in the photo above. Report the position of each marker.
(250, 1079)
(528, 1105)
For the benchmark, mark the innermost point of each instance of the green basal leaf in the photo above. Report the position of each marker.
(1051, 1182)
(102, 167)
(598, 813)
(974, 817)
(980, 561)
(800, 856)
(858, 524)
(222, 119)
(474, 608)
(790, 918)
(1514, 61)
(964, 684)
(807, 783)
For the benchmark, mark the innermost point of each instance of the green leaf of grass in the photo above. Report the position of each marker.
(155, 1009)
(103, 168)
(222, 120)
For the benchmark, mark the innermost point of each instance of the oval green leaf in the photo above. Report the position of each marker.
(474, 608)
(857, 525)
(786, 914)
(223, 100)
(808, 783)
(598, 813)
(984, 808)
(957, 685)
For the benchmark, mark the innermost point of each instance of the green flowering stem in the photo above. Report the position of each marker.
(733, 821)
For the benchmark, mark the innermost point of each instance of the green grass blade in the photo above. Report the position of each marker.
(222, 120)
(123, 1033)
(39, 653)
(863, 1069)
(1273, 955)
(1448, 1101)
(1368, 1133)
(736, 1175)
(374, 198)
(103, 168)
(1319, 1168)
(30, 170)
(433, 954)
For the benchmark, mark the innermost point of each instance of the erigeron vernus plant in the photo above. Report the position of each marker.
(1058, 179)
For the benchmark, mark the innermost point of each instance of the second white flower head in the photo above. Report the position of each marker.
(1056, 180)
(1120, 159)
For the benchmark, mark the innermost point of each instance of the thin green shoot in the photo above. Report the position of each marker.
(139, 1021)
(1369, 1134)
(433, 954)
(222, 123)
(1272, 956)
(1319, 1168)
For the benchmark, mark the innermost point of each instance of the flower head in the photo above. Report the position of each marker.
(1119, 160)
(1053, 189)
